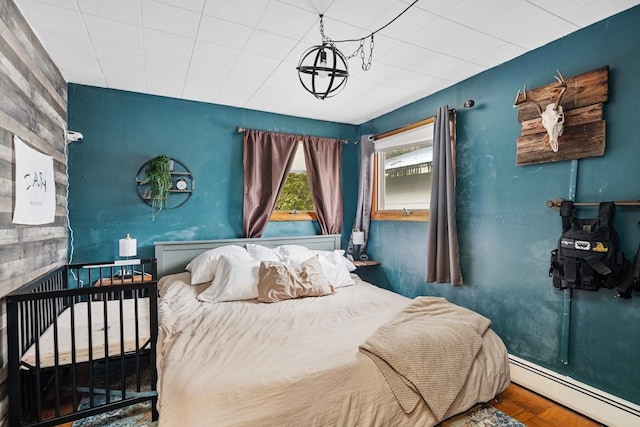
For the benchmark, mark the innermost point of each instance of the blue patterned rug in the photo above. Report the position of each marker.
(140, 415)
(131, 416)
(482, 416)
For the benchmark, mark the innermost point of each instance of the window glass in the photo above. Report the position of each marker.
(405, 178)
(402, 179)
(295, 201)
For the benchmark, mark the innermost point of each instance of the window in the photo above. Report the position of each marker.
(402, 173)
(295, 202)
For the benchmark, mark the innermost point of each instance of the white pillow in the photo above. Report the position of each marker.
(236, 279)
(334, 264)
(294, 255)
(203, 267)
(347, 263)
(263, 253)
(334, 267)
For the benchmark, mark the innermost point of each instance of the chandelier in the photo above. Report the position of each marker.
(323, 69)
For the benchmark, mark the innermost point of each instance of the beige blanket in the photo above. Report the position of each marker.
(292, 363)
(426, 352)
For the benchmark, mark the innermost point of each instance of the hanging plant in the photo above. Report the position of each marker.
(158, 176)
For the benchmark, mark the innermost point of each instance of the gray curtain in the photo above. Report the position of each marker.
(363, 208)
(268, 157)
(323, 157)
(443, 257)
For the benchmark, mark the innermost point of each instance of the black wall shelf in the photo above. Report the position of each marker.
(180, 175)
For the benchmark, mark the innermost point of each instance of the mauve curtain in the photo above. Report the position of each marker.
(363, 208)
(443, 257)
(324, 159)
(267, 160)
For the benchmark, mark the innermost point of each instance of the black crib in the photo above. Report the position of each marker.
(105, 316)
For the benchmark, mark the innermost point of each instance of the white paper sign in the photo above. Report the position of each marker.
(35, 186)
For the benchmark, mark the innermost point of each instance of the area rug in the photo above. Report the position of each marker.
(140, 415)
(132, 416)
(482, 416)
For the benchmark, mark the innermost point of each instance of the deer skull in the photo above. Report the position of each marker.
(553, 122)
(552, 116)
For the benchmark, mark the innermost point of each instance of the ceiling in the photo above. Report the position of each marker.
(244, 53)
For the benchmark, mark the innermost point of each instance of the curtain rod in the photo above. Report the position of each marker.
(555, 204)
(241, 129)
(468, 104)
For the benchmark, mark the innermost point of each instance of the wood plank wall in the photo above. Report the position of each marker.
(33, 105)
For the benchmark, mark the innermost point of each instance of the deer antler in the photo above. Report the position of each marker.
(526, 100)
(563, 89)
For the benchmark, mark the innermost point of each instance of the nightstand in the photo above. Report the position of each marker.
(368, 263)
(121, 280)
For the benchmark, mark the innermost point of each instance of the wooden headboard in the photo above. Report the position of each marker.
(174, 256)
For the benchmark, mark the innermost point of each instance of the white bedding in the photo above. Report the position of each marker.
(96, 331)
(291, 363)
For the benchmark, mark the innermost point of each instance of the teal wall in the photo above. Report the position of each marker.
(122, 130)
(506, 232)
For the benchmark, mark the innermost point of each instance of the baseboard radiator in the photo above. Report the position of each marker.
(595, 404)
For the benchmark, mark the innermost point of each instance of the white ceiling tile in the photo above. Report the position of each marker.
(544, 33)
(112, 31)
(245, 12)
(503, 19)
(80, 69)
(193, 5)
(360, 13)
(165, 74)
(86, 77)
(120, 10)
(496, 55)
(269, 44)
(119, 56)
(56, 42)
(159, 41)
(452, 39)
(591, 11)
(215, 53)
(335, 30)
(286, 20)
(274, 89)
(204, 80)
(427, 62)
(437, 7)
(223, 32)
(239, 87)
(249, 61)
(67, 4)
(558, 7)
(43, 16)
(406, 25)
(170, 19)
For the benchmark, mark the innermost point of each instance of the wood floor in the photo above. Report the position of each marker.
(525, 406)
(534, 410)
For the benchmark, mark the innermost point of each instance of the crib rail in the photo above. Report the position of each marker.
(78, 339)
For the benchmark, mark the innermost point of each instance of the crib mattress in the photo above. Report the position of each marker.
(90, 340)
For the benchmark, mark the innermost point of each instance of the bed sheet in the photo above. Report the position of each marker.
(291, 363)
(96, 331)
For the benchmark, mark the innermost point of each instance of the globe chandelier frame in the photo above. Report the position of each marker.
(323, 70)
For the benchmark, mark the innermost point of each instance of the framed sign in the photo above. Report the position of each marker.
(35, 186)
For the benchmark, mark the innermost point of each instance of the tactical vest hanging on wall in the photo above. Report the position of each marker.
(587, 256)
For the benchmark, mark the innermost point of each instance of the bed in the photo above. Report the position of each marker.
(78, 339)
(294, 362)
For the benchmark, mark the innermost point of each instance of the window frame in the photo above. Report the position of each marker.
(422, 215)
